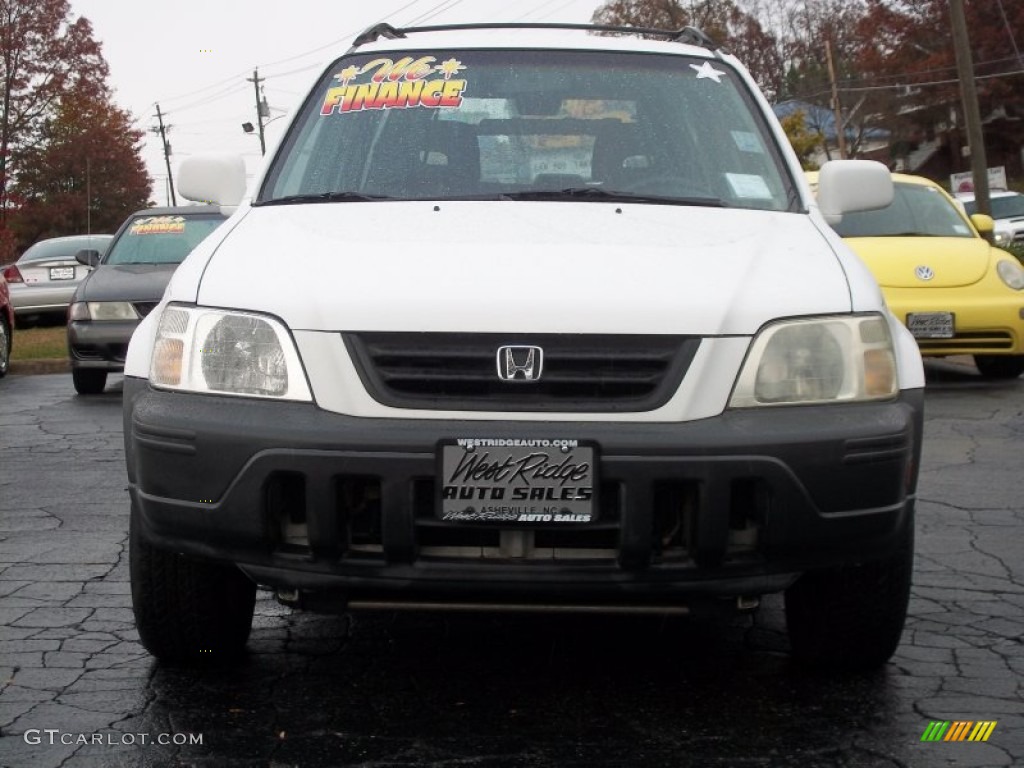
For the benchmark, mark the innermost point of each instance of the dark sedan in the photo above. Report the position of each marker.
(127, 283)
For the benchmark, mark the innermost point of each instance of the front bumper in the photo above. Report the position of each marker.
(100, 345)
(986, 322)
(740, 504)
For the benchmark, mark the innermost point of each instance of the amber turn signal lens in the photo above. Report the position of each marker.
(879, 372)
(167, 359)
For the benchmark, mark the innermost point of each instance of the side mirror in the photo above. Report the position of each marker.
(213, 179)
(88, 257)
(847, 186)
(983, 223)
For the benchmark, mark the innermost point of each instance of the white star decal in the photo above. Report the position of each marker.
(707, 70)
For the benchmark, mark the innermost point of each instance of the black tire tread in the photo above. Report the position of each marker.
(850, 618)
(88, 382)
(5, 354)
(189, 610)
(999, 366)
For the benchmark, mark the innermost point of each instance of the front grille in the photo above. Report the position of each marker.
(581, 373)
(972, 341)
(356, 530)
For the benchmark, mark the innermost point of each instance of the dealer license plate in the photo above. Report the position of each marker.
(62, 273)
(931, 325)
(517, 481)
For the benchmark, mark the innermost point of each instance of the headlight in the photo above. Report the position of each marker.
(1011, 273)
(1001, 238)
(235, 353)
(818, 360)
(103, 310)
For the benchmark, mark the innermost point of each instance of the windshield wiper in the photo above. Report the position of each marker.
(324, 197)
(598, 194)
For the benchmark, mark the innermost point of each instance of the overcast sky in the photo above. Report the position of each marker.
(192, 57)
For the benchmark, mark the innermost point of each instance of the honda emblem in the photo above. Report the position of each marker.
(520, 363)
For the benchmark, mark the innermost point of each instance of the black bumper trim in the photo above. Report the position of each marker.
(830, 484)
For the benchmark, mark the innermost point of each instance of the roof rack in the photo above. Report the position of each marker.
(689, 35)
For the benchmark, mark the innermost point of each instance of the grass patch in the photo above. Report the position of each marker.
(39, 343)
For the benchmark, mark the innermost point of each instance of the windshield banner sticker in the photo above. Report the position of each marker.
(398, 84)
(158, 225)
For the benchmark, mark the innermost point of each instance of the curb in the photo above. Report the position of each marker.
(35, 367)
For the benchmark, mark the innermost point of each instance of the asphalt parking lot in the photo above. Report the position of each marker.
(421, 689)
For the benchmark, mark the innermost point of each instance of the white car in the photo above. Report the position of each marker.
(526, 318)
(1007, 213)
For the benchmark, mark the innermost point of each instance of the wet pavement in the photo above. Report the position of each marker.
(385, 689)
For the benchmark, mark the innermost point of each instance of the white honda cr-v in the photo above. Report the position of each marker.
(526, 317)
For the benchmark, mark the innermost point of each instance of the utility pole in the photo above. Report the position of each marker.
(162, 130)
(261, 107)
(972, 113)
(840, 128)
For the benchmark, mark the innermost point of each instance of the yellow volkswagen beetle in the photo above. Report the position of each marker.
(957, 294)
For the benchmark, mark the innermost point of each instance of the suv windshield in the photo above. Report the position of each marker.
(915, 210)
(530, 125)
(161, 239)
(1003, 206)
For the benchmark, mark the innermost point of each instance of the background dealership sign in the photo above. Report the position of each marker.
(964, 182)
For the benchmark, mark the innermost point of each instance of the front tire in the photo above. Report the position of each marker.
(88, 381)
(5, 347)
(188, 610)
(850, 618)
(999, 366)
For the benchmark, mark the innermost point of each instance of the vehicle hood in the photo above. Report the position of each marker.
(954, 261)
(514, 266)
(126, 282)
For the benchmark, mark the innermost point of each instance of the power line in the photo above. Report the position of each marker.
(901, 86)
(563, 6)
(234, 89)
(234, 78)
(535, 9)
(448, 7)
(427, 14)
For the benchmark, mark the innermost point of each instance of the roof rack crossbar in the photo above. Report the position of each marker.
(689, 35)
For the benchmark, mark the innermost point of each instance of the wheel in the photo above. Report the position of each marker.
(188, 610)
(1000, 366)
(5, 347)
(850, 618)
(87, 381)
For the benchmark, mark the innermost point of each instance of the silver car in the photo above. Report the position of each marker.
(44, 279)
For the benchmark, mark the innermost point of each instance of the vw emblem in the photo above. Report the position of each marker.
(520, 363)
(924, 273)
